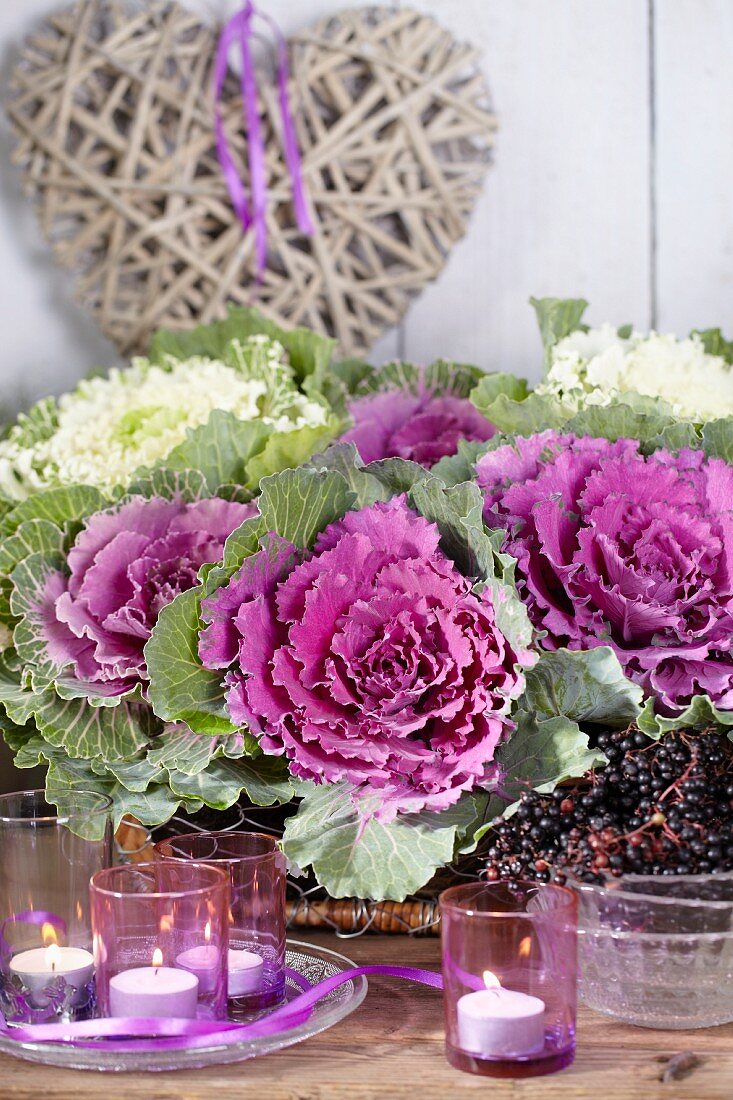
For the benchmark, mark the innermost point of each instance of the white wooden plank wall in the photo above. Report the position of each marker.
(613, 175)
(566, 210)
(693, 72)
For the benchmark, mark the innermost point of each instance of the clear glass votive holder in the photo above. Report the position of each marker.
(510, 977)
(51, 843)
(161, 936)
(256, 869)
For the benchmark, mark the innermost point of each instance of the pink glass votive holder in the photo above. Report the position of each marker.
(256, 868)
(146, 916)
(510, 977)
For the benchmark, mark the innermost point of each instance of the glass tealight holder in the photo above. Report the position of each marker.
(51, 843)
(161, 937)
(510, 977)
(256, 869)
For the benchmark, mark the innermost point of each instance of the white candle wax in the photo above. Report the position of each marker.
(245, 969)
(154, 991)
(500, 1023)
(245, 972)
(38, 967)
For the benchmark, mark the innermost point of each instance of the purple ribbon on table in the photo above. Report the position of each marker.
(239, 31)
(120, 1034)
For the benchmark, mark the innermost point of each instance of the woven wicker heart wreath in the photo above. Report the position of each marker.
(113, 108)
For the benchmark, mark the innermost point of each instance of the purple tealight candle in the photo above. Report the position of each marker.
(157, 990)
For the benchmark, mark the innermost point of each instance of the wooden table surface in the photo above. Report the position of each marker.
(392, 1047)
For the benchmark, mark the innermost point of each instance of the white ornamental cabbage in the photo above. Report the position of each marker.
(598, 366)
(110, 426)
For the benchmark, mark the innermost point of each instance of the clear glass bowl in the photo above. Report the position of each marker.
(658, 951)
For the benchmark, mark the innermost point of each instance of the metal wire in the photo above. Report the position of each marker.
(309, 904)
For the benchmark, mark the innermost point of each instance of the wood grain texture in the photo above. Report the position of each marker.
(392, 1049)
(694, 162)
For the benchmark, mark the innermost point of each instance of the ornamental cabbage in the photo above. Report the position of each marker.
(423, 427)
(599, 367)
(371, 660)
(111, 426)
(420, 414)
(89, 620)
(619, 549)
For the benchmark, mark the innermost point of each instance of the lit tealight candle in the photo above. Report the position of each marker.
(40, 966)
(245, 972)
(245, 969)
(500, 1023)
(157, 990)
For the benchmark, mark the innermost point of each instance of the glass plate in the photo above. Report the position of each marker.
(313, 963)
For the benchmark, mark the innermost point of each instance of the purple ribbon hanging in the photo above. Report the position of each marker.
(239, 31)
(121, 1034)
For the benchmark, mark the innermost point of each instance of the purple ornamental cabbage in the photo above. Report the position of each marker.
(126, 564)
(619, 549)
(370, 660)
(423, 427)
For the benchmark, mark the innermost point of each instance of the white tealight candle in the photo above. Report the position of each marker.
(500, 1023)
(204, 963)
(40, 966)
(245, 969)
(157, 990)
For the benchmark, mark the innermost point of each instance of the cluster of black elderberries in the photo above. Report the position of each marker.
(658, 808)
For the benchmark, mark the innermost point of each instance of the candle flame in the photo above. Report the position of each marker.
(157, 957)
(207, 931)
(48, 934)
(490, 980)
(525, 947)
(166, 922)
(53, 956)
(79, 911)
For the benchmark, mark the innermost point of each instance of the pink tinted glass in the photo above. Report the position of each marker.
(154, 918)
(256, 869)
(510, 977)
